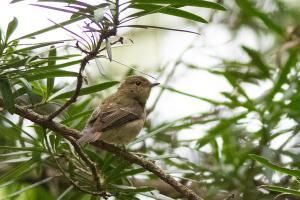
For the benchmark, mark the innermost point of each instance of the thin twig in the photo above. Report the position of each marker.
(88, 162)
(98, 192)
(89, 56)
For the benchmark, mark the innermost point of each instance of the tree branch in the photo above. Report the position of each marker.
(66, 132)
(90, 163)
(73, 99)
(90, 55)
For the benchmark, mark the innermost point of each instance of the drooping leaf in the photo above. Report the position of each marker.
(266, 163)
(18, 192)
(11, 28)
(7, 95)
(169, 11)
(69, 189)
(158, 27)
(108, 49)
(191, 95)
(219, 129)
(17, 171)
(280, 189)
(283, 74)
(195, 3)
(51, 62)
(50, 74)
(159, 130)
(37, 149)
(87, 90)
(257, 61)
(39, 45)
(251, 10)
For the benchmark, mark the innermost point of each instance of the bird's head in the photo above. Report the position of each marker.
(137, 87)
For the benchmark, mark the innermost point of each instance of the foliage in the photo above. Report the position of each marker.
(240, 128)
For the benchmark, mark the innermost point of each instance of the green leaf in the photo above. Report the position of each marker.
(36, 149)
(49, 69)
(7, 95)
(169, 11)
(39, 45)
(157, 196)
(50, 74)
(266, 163)
(257, 61)
(50, 81)
(15, 1)
(108, 49)
(130, 189)
(77, 116)
(219, 129)
(195, 3)
(26, 188)
(281, 190)
(18, 63)
(191, 95)
(69, 189)
(155, 132)
(283, 74)
(248, 7)
(11, 28)
(87, 90)
(17, 129)
(17, 171)
(158, 27)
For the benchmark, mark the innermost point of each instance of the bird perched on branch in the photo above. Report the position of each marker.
(121, 116)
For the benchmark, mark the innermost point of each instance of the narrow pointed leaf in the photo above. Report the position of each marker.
(7, 95)
(88, 90)
(159, 27)
(108, 49)
(169, 11)
(17, 171)
(282, 190)
(266, 163)
(11, 28)
(51, 62)
(257, 61)
(18, 192)
(195, 3)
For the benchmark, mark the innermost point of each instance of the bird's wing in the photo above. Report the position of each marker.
(119, 116)
(102, 120)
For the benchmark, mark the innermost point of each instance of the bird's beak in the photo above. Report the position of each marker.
(154, 84)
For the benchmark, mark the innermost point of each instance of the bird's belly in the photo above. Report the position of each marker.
(123, 134)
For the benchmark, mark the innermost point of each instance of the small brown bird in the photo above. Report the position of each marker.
(121, 116)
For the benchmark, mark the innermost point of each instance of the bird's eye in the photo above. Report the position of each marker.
(138, 83)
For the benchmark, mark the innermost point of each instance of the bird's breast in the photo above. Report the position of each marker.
(123, 134)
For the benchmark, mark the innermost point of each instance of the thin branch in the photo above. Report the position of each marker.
(94, 193)
(73, 99)
(89, 56)
(88, 162)
(68, 132)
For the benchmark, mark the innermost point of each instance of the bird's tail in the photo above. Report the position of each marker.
(88, 136)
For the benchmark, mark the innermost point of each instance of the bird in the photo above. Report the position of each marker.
(121, 116)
